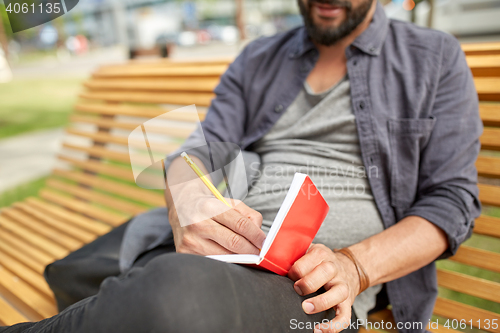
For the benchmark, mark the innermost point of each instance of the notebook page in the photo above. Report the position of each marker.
(238, 258)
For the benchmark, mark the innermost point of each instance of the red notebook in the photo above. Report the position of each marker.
(293, 230)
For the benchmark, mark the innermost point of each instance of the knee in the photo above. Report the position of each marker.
(189, 293)
(57, 274)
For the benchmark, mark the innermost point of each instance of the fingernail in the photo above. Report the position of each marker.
(297, 290)
(308, 307)
(317, 331)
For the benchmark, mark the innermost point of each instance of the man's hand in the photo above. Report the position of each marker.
(236, 230)
(321, 267)
(208, 226)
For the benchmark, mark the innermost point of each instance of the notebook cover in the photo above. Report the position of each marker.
(298, 230)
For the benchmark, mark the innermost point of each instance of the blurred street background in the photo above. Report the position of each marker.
(42, 68)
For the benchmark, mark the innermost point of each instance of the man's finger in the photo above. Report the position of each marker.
(327, 300)
(304, 266)
(320, 275)
(201, 246)
(241, 225)
(231, 241)
(341, 321)
(250, 213)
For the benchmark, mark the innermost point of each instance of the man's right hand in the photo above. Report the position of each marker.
(208, 226)
(235, 231)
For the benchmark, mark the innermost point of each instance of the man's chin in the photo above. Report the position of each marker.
(328, 23)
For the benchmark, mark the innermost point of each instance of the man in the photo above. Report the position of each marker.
(384, 117)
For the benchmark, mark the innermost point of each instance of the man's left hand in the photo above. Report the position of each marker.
(321, 267)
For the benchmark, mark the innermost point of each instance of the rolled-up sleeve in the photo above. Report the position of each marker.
(447, 192)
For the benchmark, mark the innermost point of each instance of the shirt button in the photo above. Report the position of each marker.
(355, 63)
(372, 49)
(278, 108)
(362, 105)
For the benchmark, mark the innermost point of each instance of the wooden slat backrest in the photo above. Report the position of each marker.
(481, 48)
(93, 188)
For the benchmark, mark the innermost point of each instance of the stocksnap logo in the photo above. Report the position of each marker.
(26, 14)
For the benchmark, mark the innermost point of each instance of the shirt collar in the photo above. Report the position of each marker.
(370, 41)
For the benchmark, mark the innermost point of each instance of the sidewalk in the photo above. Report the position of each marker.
(27, 157)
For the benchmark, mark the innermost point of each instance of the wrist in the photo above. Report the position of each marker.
(364, 280)
(351, 271)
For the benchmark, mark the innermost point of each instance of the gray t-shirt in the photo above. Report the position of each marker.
(317, 135)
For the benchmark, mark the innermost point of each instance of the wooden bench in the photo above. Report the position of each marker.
(92, 190)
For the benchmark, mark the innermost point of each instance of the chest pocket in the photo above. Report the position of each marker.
(408, 137)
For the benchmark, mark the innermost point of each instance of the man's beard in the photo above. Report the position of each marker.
(330, 35)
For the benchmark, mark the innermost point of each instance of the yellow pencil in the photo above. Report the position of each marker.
(204, 179)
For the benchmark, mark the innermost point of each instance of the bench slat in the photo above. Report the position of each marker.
(154, 84)
(93, 196)
(489, 194)
(484, 65)
(487, 225)
(170, 131)
(180, 98)
(29, 236)
(490, 140)
(163, 148)
(99, 136)
(63, 226)
(477, 258)
(132, 192)
(26, 274)
(92, 226)
(174, 71)
(469, 285)
(488, 88)
(22, 257)
(490, 114)
(141, 112)
(100, 152)
(81, 207)
(166, 62)
(481, 48)
(10, 316)
(26, 248)
(455, 310)
(101, 168)
(43, 230)
(24, 297)
(488, 166)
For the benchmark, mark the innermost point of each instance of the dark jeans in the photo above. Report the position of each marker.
(167, 292)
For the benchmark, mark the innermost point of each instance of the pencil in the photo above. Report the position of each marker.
(204, 179)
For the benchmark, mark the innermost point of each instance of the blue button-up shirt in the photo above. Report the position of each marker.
(418, 123)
